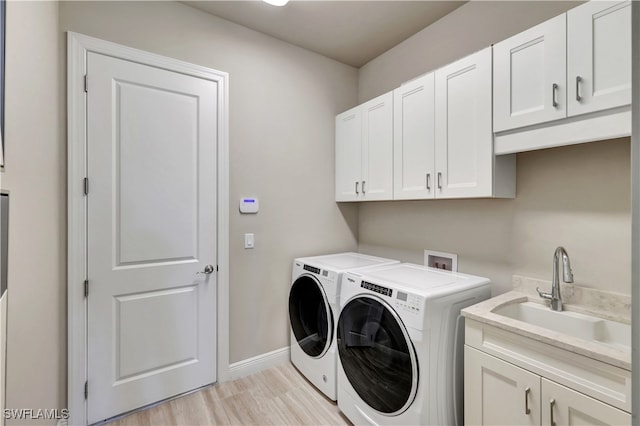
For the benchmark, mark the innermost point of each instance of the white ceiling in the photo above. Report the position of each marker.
(352, 32)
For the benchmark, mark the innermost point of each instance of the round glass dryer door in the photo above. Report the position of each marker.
(377, 355)
(310, 316)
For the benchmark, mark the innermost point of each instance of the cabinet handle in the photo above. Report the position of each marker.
(357, 187)
(527, 410)
(428, 181)
(439, 180)
(554, 90)
(552, 402)
(578, 81)
(363, 182)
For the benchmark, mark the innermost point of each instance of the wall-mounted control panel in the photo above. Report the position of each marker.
(249, 205)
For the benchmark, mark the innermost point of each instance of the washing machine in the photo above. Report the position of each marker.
(313, 311)
(400, 339)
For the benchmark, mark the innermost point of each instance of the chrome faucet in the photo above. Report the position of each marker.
(555, 298)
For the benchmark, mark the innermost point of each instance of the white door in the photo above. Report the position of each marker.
(498, 393)
(413, 140)
(151, 228)
(564, 406)
(377, 148)
(529, 76)
(599, 56)
(348, 155)
(464, 140)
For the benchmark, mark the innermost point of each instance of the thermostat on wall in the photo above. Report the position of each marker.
(249, 205)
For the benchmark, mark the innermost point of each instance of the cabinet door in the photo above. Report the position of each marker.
(529, 80)
(413, 139)
(348, 155)
(564, 406)
(464, 140)
(599, 56)
(377, 148)
(497, 392)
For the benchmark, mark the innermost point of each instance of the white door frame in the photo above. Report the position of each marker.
(78, 46)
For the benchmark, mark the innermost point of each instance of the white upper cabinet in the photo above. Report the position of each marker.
(463, 135)
(599, 56)
(529, 81)
(576, 63)
(364, 151)
(413, 139)
(348, 154)
(443, 139)
(377, 148)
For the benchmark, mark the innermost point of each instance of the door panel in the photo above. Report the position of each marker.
(151, 227)
(144, 171)
(574, 408)
(377, 148)
(525, 68)
(599, 49)
(150, 337)
(413, 141)
(495, 392)
(348, 155)
(464, 140)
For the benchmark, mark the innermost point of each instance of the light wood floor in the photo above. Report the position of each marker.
(278, 396)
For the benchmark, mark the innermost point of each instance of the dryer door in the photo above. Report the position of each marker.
(310, 316)
(377, 355)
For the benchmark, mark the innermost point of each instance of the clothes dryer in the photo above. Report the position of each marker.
(400, 344)
(313, 310)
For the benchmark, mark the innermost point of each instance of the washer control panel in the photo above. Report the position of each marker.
(407, 302)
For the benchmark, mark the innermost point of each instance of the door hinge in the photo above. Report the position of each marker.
(86, 389)
(86, 186)
(86, 84)
(86, 288)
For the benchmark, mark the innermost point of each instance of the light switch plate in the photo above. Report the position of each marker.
(248, 241)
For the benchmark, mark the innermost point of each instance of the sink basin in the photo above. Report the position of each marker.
(571, 323)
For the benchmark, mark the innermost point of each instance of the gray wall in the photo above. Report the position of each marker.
(576, 196)
(36, 176)
(282, 107)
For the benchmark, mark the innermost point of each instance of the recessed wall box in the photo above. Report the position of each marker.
(249, 205)
(441, 260)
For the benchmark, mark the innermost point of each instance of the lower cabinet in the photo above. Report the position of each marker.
(497, 392)
(564, 406)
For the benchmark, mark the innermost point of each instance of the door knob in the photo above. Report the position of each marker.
(207, 270)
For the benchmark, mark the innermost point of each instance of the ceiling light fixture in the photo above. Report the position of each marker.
(276, 2)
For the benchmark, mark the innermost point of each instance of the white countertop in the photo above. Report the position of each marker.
(483, 312)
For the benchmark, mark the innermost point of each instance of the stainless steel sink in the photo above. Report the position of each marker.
(573, 324)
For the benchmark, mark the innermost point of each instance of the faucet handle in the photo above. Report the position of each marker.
(546, 296)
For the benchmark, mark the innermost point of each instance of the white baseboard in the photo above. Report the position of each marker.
(258, 363)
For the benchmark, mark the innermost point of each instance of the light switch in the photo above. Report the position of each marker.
(248, 241)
